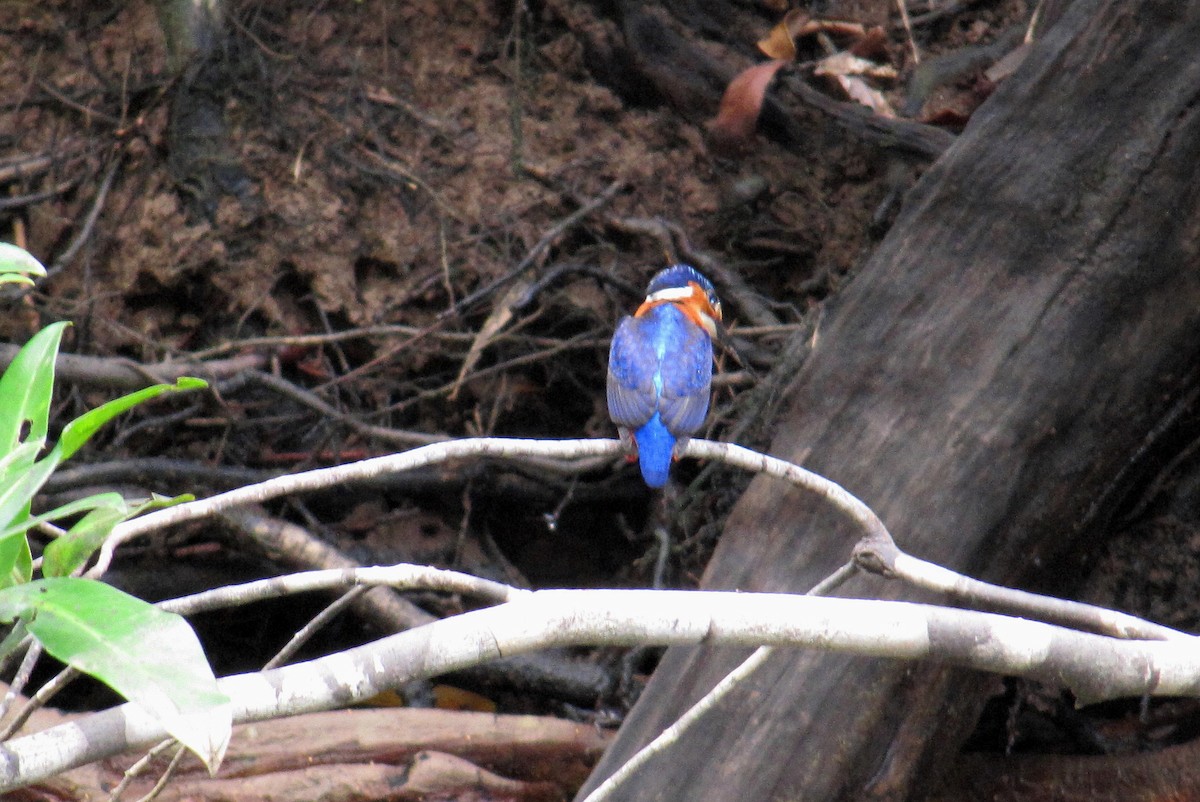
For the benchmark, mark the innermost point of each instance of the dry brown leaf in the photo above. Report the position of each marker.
(846, 63)
(778, 43)
(833, 27)
(732, 130)
(500, 317)
(873, 44)
(860, 91)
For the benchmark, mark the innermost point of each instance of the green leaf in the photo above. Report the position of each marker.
(17, 264)
(106, 510)
(19, 487)
(71, 550)
(80, 430)
(26, 387)
(16, 563)
(13, 639)
(150, 657)
(76, 507)
(25, 392)
(17, 461)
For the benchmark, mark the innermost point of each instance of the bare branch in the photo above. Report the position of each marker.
(1093, 666)
(365, 469)
(400, 577)
(876, 551)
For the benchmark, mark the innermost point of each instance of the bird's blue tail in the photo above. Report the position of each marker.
(655, 448)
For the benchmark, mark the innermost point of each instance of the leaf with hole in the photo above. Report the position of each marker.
(26, 387)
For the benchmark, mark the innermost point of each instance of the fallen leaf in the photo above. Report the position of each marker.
(780, 43)
(860, 91)
(834, 27)
(732, 130)
(448, 697)
(846, 63)
(873, 44)
(496, 322)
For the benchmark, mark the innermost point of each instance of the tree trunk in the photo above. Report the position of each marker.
(200, 156)
(986, 384)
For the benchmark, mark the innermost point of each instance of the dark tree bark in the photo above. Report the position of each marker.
(201, 158)
(985, 384)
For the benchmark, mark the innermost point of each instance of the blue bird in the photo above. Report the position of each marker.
(660, 368)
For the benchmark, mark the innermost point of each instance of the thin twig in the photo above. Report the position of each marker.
(169, 772)
(305, 340)
(89, 222)
(26, 167)
(876, 540)
(736, 293)
(305, 633)
(580, 342)
(403, 576)
(24, 671)
(671, 735)
(39, 700)
(986, 596)
(138, 767)
(125, 374)
(398, 437)
(908, 30)
(79, 107)
(947, 8)
(17, 201)
(539, 248)
(296, 546)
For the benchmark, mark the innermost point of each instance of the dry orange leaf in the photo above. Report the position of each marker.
(732, 130)
(780, 43)
(447, 697)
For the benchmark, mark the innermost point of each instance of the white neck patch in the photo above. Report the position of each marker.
(670, 294)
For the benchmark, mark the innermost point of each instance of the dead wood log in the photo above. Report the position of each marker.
(1171, 774)
(986, 383)
(364, 754)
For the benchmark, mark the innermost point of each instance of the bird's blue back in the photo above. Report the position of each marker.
(659, 374)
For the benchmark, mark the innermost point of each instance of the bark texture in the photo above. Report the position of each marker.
(986, 384)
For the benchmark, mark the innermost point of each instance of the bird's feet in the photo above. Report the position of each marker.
(629, 444)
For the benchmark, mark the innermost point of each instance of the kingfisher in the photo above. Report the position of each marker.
(660, 368)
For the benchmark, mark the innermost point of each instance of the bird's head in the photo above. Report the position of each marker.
(689, 291)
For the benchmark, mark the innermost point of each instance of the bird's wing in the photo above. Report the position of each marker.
(687, 378)
(632, 363)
